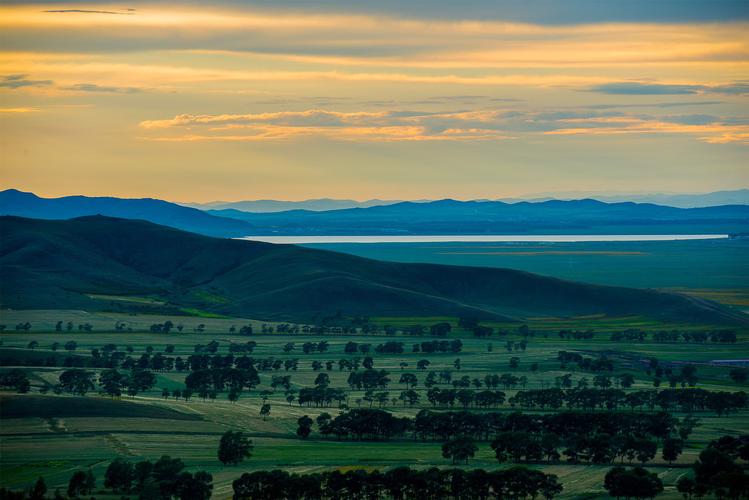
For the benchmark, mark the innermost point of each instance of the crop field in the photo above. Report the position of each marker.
(54, 434)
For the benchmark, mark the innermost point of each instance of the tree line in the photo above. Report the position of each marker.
(376, 424)
(399, 483)
(717, 472)
(163, 479)
(686, 400)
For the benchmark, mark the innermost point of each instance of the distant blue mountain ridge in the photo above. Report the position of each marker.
(733, 197)
(448, 216)
(442, 217)
(14, 202)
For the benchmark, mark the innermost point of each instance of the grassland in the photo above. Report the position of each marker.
(713, 269)
(53, 435)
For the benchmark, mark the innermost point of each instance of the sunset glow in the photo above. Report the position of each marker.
(119, 98)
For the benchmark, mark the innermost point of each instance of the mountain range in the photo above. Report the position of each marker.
(733, 197)
(83, 262)
(317, 205)
(14, 202)
(696, 200)
(442, 217)
(452, 217)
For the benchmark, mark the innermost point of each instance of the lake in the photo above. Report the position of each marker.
(560, 238)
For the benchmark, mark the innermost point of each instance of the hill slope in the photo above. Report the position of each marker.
(61, 264)
(14, 202)
(496, 217)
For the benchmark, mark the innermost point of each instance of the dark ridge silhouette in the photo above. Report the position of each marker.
(61, 264)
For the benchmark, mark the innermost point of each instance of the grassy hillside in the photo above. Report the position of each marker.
(89, 262)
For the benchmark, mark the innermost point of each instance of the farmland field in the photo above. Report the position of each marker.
(51, 435)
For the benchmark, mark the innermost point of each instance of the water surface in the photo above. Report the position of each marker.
(483, 238)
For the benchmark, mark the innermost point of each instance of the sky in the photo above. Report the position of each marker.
(231, 100)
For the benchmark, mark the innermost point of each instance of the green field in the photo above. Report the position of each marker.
(716, 269)
(52, 435)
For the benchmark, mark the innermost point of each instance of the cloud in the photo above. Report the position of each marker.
(92, 87)
(672, 104)
(18, 110)
(128, 12)
(351, 38)
(638, 88)
(380, 126)
(19, 81)
(461, 125)
(714, 132)
(252, 133)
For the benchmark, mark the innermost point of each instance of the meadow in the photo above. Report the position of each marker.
(716, 269)
(52, 435)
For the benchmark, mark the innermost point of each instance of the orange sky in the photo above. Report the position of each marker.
(228, 101)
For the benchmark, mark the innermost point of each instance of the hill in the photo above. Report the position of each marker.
(691, 200)
(261, 206)
(14, 202)
(732, 197)
(403, 218)
(495, 217)
(48, 264)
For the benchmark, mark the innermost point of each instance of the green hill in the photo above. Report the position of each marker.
(72, 263)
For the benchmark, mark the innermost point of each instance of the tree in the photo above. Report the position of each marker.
(139, 381)
(626, 380)
(739, 375)
(305, 426)
(39, 489)
(234, 447)
(75, 485)
(459, 449)
(409, 379)
(90, 483)
(119, 476)
(672, 448)
(322, 380)
(686, 486)
(712, 464)
(440, 329)
(112, 382)
(15, 379)
(514, 363)
(234, 394)
(198, 486)
(410, 396)
(81, 483)
(143, 473)
(265, 410)
(76, 381)
(632, 483)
